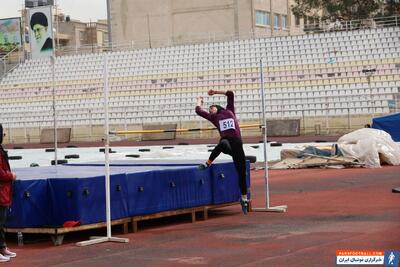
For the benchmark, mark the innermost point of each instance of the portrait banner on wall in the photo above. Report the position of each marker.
(41, 31)
(10, 34)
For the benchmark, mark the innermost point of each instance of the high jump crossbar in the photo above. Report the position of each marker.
(179, 130)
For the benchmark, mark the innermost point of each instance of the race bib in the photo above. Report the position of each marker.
(226, 124)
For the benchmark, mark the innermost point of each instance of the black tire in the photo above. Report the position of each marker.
(275, 144)
(14, 157)
(132, 156)
(49, 150)
(252, 159)
(144, 149)
(59, 161)
(72, 156)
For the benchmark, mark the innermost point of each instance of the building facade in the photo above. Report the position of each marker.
(75, 35)
(155, 23)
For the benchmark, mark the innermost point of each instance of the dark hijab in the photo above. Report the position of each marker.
(219, 108)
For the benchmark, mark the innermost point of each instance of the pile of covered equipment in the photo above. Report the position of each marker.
(364, 147)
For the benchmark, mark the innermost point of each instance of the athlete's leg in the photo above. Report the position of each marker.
(239, 160)
(222, 147)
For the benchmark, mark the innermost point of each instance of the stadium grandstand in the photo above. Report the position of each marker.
(104, 132)
(331, 81)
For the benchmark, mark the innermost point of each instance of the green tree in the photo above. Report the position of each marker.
(337, 9)
(392, 8)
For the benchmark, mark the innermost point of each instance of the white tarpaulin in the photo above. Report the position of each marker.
(370, 147)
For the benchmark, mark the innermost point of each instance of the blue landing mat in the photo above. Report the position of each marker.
(49, 196)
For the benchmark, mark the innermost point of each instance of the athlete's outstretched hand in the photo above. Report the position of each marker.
(215, 92)
(200, 101)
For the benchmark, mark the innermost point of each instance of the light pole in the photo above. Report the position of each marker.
(369, 73)
(57, 28)
(109, 24)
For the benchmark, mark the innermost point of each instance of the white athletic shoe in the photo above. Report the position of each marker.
(4, 258)
(245, 205)
(6, 252)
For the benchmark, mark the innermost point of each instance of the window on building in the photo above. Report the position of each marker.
(297, 20)
(105, 38)
(311, 21)
(81, 35)
(284, 21)
(276, 21)
(262, 18)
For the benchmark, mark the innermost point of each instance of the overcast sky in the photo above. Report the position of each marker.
(84, 10)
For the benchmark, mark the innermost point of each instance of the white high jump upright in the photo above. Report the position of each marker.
(107, 238)
(55, 134)
(264, 127)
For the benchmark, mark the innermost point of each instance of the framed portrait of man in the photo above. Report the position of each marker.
(41, 31)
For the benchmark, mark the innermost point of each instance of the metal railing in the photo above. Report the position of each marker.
(350, 25)
(10, 61)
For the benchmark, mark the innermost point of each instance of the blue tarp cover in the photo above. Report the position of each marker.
(389, 124)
